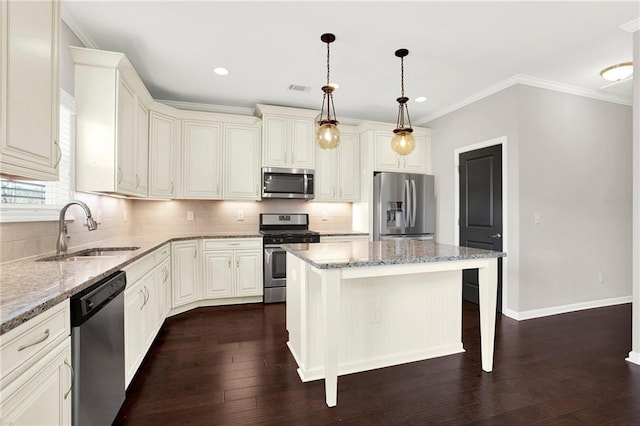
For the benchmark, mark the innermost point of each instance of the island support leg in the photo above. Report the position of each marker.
(488, 283)
(331, 309)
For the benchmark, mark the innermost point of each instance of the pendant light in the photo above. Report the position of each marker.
(328, 136)
(403, 141)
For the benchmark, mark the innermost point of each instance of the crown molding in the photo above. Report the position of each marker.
(632, 26)
(194, 106)
(76, 27)
(527, 81)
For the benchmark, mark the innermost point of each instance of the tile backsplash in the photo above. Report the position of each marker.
(133, 217)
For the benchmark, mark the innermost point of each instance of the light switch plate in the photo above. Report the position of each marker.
(190, 215)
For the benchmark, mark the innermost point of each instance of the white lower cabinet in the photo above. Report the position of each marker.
(36, 375)
(227, 268)
(145, 306)
(185, 270)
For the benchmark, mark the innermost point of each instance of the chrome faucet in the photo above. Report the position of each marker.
(61, 244)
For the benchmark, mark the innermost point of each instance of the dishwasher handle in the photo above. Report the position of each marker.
(91, 300)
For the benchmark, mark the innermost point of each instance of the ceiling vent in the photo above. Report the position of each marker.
(299, 88)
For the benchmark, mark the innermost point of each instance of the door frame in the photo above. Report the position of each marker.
(502, 140)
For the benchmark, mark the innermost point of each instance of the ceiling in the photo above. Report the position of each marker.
(458, 51)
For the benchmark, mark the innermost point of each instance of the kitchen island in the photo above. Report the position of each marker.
(362, 305)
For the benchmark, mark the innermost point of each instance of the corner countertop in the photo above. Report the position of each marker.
(339, 233)
(373, 253)
(29, 287)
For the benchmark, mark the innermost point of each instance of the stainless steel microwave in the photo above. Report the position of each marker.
(287, 183)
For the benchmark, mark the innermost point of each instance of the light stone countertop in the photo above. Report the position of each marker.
(29, 287)
(340, 233)
(392, 252)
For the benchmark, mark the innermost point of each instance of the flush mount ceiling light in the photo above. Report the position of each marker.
(328, 136)
(617, 72)
(221, 71)
(420, 99)
(403, 141)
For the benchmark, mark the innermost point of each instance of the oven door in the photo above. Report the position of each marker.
(275, 267)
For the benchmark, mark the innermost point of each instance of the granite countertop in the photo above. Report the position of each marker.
(339, 233)
(373, 253)
(29, 287)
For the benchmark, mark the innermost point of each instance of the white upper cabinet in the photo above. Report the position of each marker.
(220, 156)
(241, 162)
(287, 137)
(377, 155)
(201, 165)
(112, 142)
(29, 89)
(164, 135)
(337, 171)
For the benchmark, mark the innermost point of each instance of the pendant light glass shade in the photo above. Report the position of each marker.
(403, 141)
(328, 134)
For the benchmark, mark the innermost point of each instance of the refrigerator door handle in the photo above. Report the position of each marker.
(413, 202)
(407, 204)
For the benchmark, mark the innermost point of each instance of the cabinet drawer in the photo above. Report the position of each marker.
(232, 243)
(30, 341)
(140, 267)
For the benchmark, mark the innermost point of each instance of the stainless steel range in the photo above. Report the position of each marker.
(278, 229)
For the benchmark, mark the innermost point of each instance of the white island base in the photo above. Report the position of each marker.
(348, 320)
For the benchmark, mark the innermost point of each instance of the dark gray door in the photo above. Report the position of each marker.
(481, 211)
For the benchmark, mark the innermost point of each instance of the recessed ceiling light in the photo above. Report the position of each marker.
(420, 99)
(617, 72)
(221, 71)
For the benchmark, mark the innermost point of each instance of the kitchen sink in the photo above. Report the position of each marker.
(89, 254)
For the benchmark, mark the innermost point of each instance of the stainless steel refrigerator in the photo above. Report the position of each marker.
(404, 206)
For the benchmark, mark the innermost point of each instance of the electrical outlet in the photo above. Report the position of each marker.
(537, 218)
(124, 216)
(376, 316)
(99, 217)
(601, 278)
(325, 216)
(240, 215)
(191, 215)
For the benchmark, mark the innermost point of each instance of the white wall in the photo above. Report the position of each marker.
(569, 158)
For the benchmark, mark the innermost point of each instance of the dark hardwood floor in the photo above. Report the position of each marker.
(231, 366)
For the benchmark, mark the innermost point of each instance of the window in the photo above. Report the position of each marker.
(27, 201)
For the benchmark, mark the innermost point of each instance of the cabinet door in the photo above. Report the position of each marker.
(248, 273)
(302, 143)
(349, 168)
(241, 162)
(186, 280)
(126, 137)
(29, 42)
(217, 278)
(151, 319)
(386, 160)
(40, 396)
(161, 155)
(325, 178)
(275, 141)
(133, 330)
(164, 289)
(201, 160)
(417, 161)
(142, 150)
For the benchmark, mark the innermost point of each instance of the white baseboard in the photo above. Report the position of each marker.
(563, 309)
(634, 357)
(214, 302)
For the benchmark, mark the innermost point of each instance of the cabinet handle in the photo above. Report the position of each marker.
(137, 181)
(237, 263)
(59, 154)
(171, 187)
(40, 340)
(120, 175)
(398, 162)
(217, 188)
(229, 263)
(293, 157)
(257, 189)
(195, 252)
(405, 162)
(143, 298)
(233, 244)
(285, 156)
(73, 378)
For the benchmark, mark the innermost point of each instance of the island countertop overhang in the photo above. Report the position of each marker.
(357, 254)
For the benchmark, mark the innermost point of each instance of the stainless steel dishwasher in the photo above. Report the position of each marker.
(97, 351)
